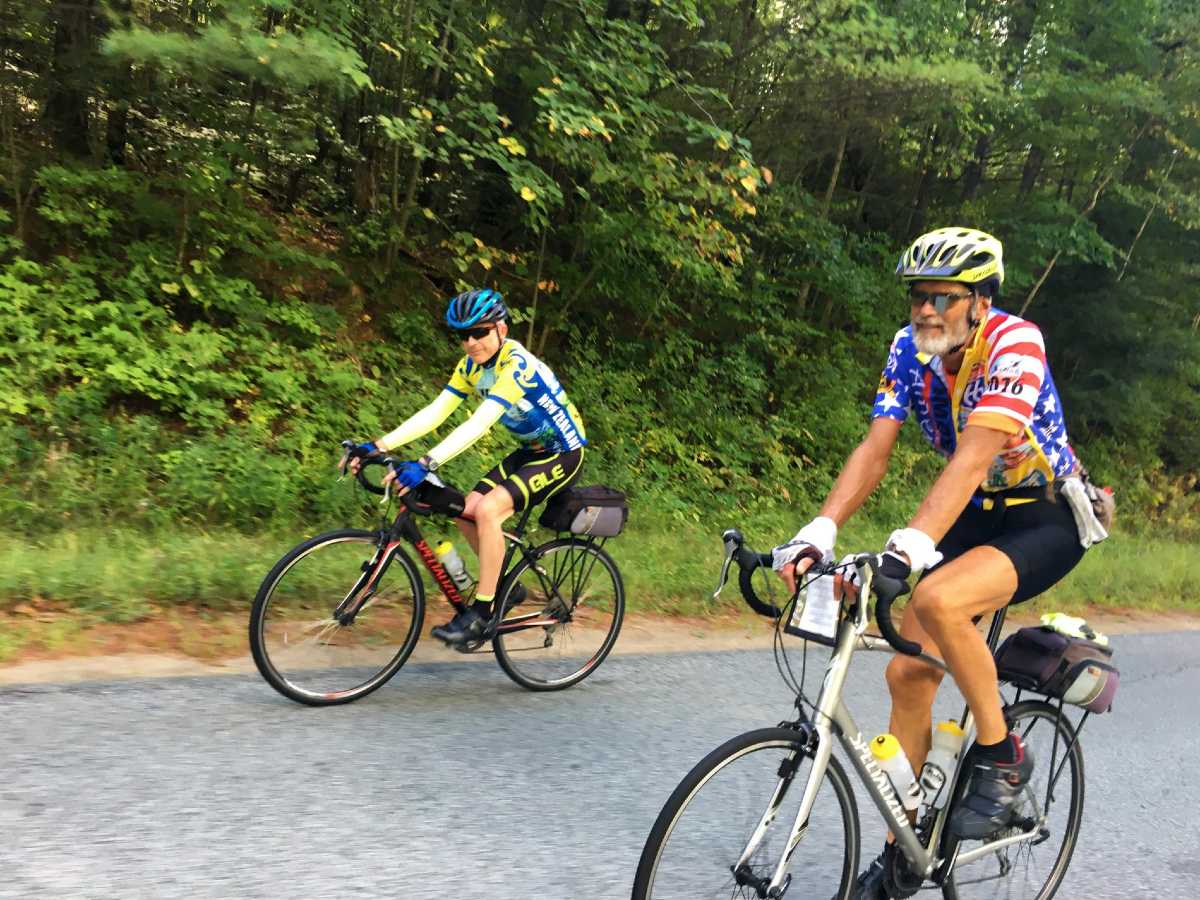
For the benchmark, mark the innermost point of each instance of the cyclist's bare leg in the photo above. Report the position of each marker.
(913, 684)
(468, 528)
(490, 512)
(979, 582)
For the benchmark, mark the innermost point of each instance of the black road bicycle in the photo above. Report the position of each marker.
(771, 812)
(340, 613)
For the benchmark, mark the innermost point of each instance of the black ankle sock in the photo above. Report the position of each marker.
(1003, 752)
(483, 607)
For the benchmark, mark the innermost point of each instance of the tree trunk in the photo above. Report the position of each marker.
(864, 189)
(839, 155)
(410, 191)
(1082, 214)
(1125, 153)
(974, 175)
(10, 116)
(826, 203)
(73, 62)
(916, 212)
(1149, 213)
(537, 286)
(117, 133)
(120, 89)
(1033, 168)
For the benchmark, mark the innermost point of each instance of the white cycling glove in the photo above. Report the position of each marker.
(916, 545)
(820, 533)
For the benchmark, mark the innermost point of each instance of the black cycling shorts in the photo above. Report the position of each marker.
(533, 476)
(1037, 533)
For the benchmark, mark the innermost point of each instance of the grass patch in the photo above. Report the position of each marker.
(669, 563)
(119, 576)
(12, 640)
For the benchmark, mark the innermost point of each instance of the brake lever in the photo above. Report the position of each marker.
(388, 486)
(730, 550)
(733, 541)
(344, 465)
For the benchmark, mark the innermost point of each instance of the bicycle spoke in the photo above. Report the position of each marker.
(563, 640)
(726, 827)
(300, 644)
(1031, 869)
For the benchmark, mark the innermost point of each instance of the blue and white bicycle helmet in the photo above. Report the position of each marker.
(477, 307)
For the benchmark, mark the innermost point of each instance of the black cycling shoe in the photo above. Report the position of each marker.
(468, 625)
(990, 803)
(871, 882)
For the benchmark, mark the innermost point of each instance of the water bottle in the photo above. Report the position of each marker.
(890, 756)
(453, 565)
(939, 764)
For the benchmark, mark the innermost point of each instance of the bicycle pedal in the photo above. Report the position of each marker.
(470, 646)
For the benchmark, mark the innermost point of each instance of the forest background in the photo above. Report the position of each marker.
(228, 229)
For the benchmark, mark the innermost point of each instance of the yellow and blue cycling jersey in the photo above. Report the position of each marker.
(536, 409)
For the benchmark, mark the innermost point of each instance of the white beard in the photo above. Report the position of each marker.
(940, 344)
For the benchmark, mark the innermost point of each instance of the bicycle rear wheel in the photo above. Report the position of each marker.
(708, 821)
(304, 643)
(569, 619)
(1031, 870)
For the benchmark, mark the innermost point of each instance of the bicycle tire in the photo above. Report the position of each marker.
(971, 882)
(571, 650)
(280, 662)
(750, 595)
(651, 864)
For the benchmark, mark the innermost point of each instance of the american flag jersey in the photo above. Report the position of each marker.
(1004, 383)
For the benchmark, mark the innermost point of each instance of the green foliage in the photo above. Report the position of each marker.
(226, 232)
(669, 565)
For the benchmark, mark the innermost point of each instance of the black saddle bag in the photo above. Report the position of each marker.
(1073, 669)
(594, 510)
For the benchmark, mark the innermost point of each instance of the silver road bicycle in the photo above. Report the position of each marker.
(771, 813)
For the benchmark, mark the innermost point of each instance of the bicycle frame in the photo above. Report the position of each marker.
(832, 719)
(404, 530)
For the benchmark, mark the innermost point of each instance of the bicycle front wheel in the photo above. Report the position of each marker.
(1033, 869)
(336, 617)
(568, 618)
(745, 796)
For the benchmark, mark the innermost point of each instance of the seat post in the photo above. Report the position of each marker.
(519, 530)
(993, 635)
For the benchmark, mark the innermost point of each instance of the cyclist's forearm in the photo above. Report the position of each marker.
(966, 471)
(467, 433)
(861, 474)
(421, 423)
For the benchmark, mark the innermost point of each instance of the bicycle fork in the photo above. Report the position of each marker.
(831, 720)
(366, 586)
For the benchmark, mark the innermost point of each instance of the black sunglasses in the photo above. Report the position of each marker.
(941, 301)
(478, 333)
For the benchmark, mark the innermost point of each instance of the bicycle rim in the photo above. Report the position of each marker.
(709, 820)
(1032, 870)
(304, 651)
(570, 617)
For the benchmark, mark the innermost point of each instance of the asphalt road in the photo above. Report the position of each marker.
(453, 782)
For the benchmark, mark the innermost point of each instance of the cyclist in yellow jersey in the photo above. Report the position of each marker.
(521, 393)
